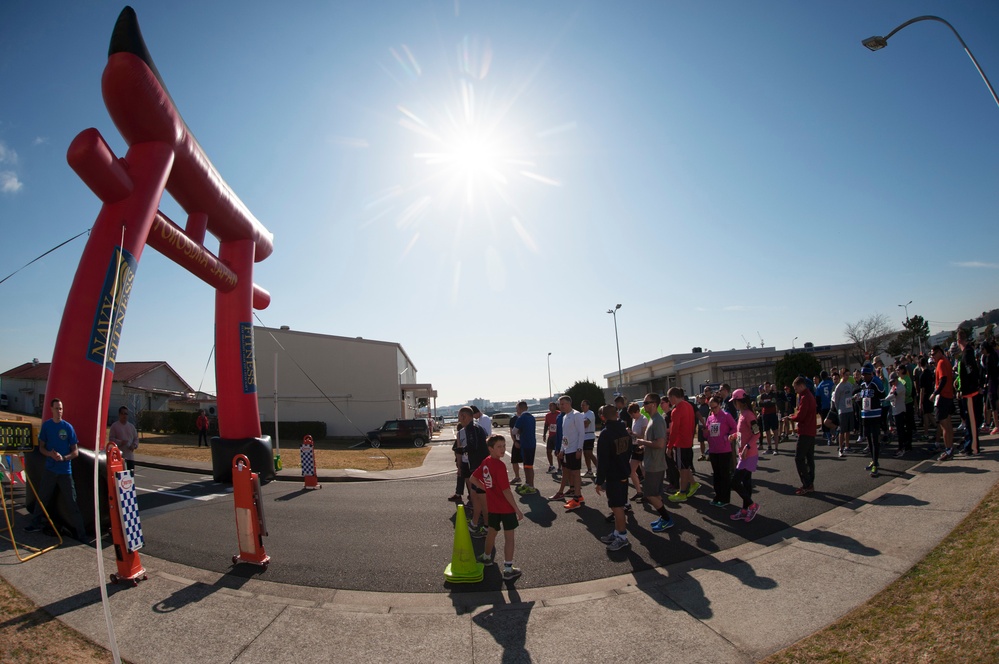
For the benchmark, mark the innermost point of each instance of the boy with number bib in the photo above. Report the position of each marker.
(491, 477)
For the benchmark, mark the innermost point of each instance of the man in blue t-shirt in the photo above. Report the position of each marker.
(823, 395)
(524, 430)
(58, 444)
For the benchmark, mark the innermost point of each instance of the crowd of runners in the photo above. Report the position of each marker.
(649, 445)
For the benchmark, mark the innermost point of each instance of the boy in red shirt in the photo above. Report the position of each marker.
(503, 510)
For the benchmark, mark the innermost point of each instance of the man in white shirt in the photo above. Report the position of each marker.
(124, 435)
(589, 436)
(482, 421)
(573, 433)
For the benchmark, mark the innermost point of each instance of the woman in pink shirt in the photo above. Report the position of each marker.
(717, 428)
(748, 438)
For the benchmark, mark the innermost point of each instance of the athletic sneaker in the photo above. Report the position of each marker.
(899, 454)
(751, 512)
(527, 490)
(718, 503)
(485, 560)
(479, 532)
(510, 573)
(994, 431)
(678, 497)
(515, 480)
(551, 469)
(738, 516)
(455, 498)
(33, 528)
(842, 454)
(947, 454)
(557, 496)
(607, 539)
(874, 471)
(588, 473)
(870, 466)
(618, 544)
(572, 504)
(693, 489)
(638, 496)
(660, 525)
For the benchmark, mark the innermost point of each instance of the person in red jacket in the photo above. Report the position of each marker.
(681, 443)
(804, 455)
(202, 425)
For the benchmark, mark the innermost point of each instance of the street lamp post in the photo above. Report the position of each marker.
(918, 338)
(792, 342)
(551, 395)
(878, 43)
(617, 344)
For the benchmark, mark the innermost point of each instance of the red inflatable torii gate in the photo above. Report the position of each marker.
(163, 155)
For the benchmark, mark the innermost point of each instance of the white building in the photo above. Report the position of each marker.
(352, 384)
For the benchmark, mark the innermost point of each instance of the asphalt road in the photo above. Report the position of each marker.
(397, 536)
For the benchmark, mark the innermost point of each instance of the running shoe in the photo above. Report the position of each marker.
(899, 454)
(718, 503)
(638, 497)
(800, 491)
(775, 452)
(572, 504)
(738, 516)
(994, 431)
(485, 560)
(618, 544)
(479, 532)
(33, 528)
(610, 537)
(842, 454)
(515, 480)
(662, 524)
(527, 490)
(510, 572)
(947, 454)
(455, 498)
(874, 471)
(588, 473)
(870, 466)
(751, 512)
(678, 497)
(693, 489)
(702, 458)
(557, 496)
(551, 469)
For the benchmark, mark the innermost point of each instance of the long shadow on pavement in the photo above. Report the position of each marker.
(507, 623)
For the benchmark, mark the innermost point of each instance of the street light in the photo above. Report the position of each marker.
(620, 375)
(792, 342)
(551, 395)
(918, 338)
(878, 43)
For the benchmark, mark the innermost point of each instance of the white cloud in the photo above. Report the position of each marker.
(7, 156)
(41, 140)
(9, 184)
(989, 266)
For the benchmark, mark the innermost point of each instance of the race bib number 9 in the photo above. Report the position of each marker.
(866, 403)
(714, 429)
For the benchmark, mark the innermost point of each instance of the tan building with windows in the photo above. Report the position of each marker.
(352, 384)
(746, 368)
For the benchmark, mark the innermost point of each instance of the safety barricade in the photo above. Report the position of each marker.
(308, 454)
(126, 528)
(251, 528)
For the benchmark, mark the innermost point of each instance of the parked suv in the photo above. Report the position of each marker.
(401, 432)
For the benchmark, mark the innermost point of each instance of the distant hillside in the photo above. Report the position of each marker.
(987, 318)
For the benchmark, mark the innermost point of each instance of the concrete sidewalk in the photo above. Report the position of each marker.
(736, 606)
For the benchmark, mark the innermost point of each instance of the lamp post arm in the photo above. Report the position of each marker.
(967, 50)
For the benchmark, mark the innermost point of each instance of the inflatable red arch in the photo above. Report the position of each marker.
(163, 155)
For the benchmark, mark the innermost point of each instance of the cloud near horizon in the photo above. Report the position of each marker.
(977, 264)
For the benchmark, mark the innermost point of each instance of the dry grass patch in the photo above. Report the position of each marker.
(329, 454)
(944, 609)
(29, 635)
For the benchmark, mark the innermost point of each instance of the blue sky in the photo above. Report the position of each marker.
(482, 181)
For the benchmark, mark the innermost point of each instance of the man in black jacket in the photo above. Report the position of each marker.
(613, 471)
(472, 439)
(968, 384)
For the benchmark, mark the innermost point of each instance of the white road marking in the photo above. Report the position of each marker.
(210, 496)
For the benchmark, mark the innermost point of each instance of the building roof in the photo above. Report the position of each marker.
(124, 372)
(358, 340)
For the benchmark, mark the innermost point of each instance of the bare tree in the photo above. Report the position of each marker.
(870, 336)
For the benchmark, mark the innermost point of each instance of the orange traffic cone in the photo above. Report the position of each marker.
(464, 568)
